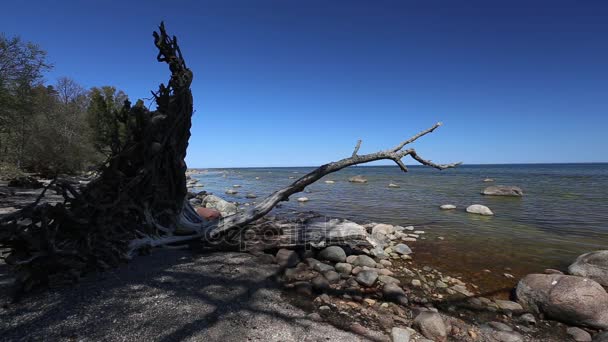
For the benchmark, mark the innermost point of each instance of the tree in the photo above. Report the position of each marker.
(107, 119)
(139, 200)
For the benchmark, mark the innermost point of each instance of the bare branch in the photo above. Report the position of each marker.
(422, 161)
(415, 137)
(357, 148)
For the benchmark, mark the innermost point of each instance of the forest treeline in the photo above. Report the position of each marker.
(51, 129)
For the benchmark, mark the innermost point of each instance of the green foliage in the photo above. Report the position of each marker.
(107, 119)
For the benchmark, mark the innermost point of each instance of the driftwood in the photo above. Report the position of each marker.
(139, 200)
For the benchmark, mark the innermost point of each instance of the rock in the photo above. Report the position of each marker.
(593, 265)
(322, 268)
(332, 253)
(378, 253)
(226, 208)
(601, 337)
(351, 258)
(208, 213)
(579, 334)
(447, 207)
(386, 263)
(570, 299)
(402, 249)
(416, 282)
(409, 239)
(315, 317)
(303, 199)
(364, 260)
(488, 180)
(552, 271)
(502, 190)
(287, 258)
(509, 306)
(479, 209)
(231, 192)
(250, 195)
(500, 326)
(236, 186)
(441, 284)
(388, 280)
(528, 318)
(400, 335)
(332, 276)
(320, 283)
(357, 179)
(393, 185)
(383, 229)
(303, 288)
(344, 268)
(329, 182)
(431, 325)
(507, 336)
(367, 278)
(394, 293)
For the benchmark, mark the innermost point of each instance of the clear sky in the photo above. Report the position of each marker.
(296, 83)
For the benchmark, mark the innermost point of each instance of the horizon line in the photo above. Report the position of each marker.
(411, 165)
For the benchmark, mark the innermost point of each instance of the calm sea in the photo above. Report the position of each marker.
(564, 212)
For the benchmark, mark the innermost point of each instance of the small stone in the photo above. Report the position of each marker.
(367, 278)
(395, 293)
(369, 301)
(324, 308)
(508, 275)
(579, 334)
(364, 260)
(303, 199)
(250, 195)
(447, 207)
(322, 268)
(441, 284)
(329, 182)
(528, 318)
(231, 192)
(320, 283)
(410, 228)
(431, 325)
(333, 253)
(388, 279)
(386, 263)
(236, 186)
(479, 209)
(419, 232)
(416, 283)
(287, 258)
(508, 306)
(332, 276)
(402, 249)
(409, 239)
(400, 335)
(393, 185)
(508, 336)
(344, 268)
(500, 326)
(315, 317)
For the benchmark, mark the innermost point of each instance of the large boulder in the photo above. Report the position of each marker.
(383, 229)
(480, 210)
(357, 179)
(593, 265)
(224, 207)
(333, 253)
(503, 190)
(570, 299)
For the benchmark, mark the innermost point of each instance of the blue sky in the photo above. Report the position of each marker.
(296, 83)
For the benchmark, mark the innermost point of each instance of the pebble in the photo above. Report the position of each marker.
(367, 278)
(447, 207)
(579, 334)
(400, 335)
(416, 282)
(303, 199)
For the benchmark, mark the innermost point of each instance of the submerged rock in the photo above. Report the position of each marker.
(479, 209)
(570, 299)
(231, 192)
(303, 199)
(593, 265)
(329, 182)
(503, 190)
(357, 179)
(447, 207)
(393, 185)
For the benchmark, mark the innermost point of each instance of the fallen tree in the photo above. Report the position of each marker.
(139, 199)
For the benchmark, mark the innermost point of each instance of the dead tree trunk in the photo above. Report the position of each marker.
(139, 200)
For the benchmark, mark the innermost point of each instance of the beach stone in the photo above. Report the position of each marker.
(508, 306)
(579, 334)
(213, 202)
(570, 299)
(593, 265)
(303, 199)
(344, 268)
(231, 192)
(507, 336)
(601, 337)
(479, 209)
(488, 180)
(303, 288)
(447, 207)
(351, 259)
(332, 276)
(528, 318)
(383, 229)
(321, 267)
(503, 190)
(394, 293)
(416, 282)
(409, 239)
(320, 283)
(400, 335)
(208, 213)
(402, 249)
(250, 195)
(367, 278)
(329, 182)
(500, 326)
(378, 253)
(431, 325)
(386, 263)
(388, 279)
(287, 258)
(357, 179)
(364, 260)
(393, 185)
(332, 253)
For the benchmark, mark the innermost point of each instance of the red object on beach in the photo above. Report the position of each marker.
(208, 214)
